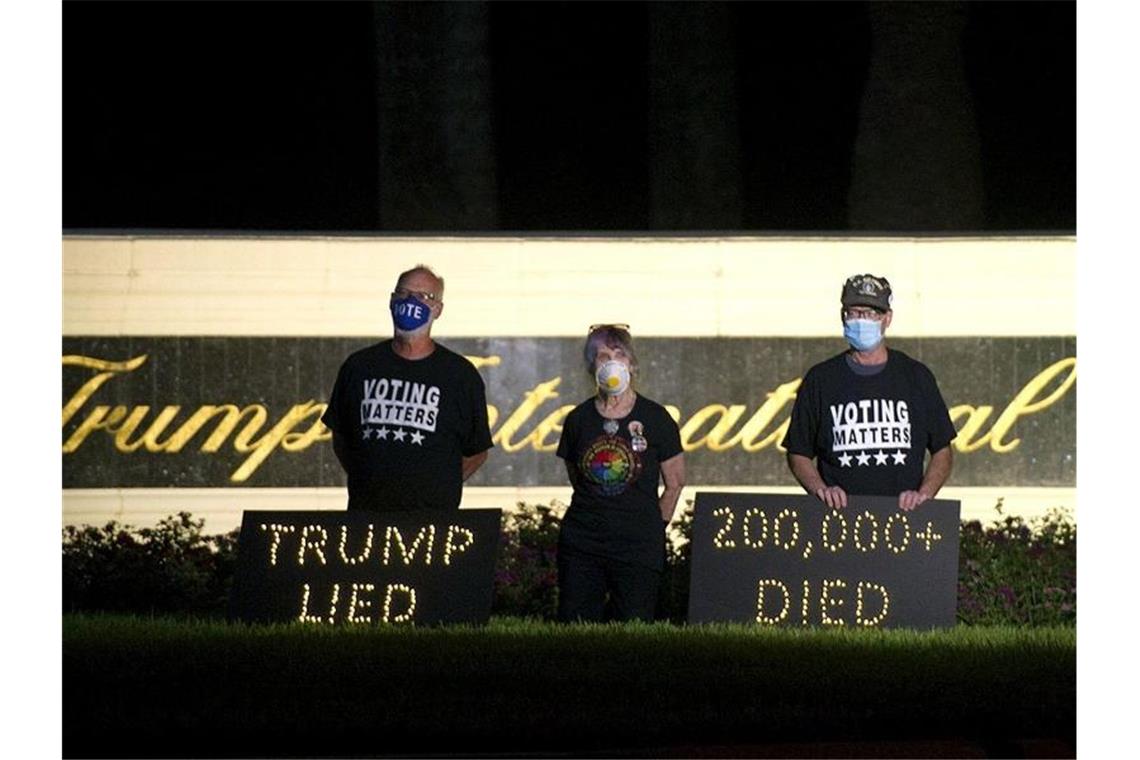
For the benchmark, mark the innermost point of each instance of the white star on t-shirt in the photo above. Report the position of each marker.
(863, 458)
(367, 433)
(900, 457)
(880, 458)
(417, 438)
(399, 434)
(845, 460)
(382, 433)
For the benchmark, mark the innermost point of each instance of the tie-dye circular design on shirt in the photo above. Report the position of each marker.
(609, 465)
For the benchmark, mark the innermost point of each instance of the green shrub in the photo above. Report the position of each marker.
(170, 568)
(526, 574)
(526, 571)
(1010, 573)
(673, 600)
(1018, 573)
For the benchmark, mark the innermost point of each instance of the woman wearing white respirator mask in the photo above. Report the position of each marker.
(619, 446)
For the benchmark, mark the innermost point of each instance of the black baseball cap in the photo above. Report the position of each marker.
(867, 290)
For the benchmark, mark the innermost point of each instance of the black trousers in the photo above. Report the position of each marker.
(584, 580)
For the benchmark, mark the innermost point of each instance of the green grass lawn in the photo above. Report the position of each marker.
(161, 687)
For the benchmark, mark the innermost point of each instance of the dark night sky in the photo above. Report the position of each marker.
(218, 114)
(264, 116)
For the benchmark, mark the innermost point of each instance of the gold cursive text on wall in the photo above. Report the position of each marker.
(716, 427)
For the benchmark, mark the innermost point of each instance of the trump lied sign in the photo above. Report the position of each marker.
(367, 568)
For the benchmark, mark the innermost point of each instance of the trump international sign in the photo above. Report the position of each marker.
(225, 411)
(195, 369)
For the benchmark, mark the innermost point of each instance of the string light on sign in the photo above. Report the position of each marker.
(831, 516)
(318, 546)
(355, 601)
(451, 547)
(392, 536)
(860, 590)
(804, 602)
(305, 617)
(277, 531)
(764, 619)
(858, 532)
(365, 552)
(748, 540)
(898, 518)
(405, 616)
(784, 515)
(928, 535)
(826, 601)
(721, 539)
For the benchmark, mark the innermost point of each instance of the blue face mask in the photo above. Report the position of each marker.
(410, 314)
(863, 334)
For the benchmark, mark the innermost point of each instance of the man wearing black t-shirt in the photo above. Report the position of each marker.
(868, 416)
(409, 416)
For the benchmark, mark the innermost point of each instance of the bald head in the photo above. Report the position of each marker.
(421, 278)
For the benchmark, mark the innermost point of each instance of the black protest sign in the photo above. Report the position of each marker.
(362, 567)
(778, 559)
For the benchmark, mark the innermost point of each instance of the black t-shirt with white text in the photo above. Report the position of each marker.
(407, 424)
(614, 511)
(869, 433)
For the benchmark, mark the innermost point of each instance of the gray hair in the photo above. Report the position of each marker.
(610, 336)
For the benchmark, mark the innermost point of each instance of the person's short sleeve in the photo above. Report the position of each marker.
(568, 441)
(804, 424)
(478, 438)
(939, 424)
(332, 417)
(670, 444)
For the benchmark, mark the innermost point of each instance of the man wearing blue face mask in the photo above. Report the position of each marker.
(408, 415)
(864, 420)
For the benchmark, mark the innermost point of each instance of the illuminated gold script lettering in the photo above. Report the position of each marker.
(716, 427)
(1023, 404)
(551, 425)
(150, 437)
(101, 417)
(107, 370)
(726, 418)
(748, 437)
(479, 362)
(264, 446)
(976, 417)
(123, 422)
(532, 400)
(484, 361)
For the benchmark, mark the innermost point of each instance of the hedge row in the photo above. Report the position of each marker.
(1011, 572)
